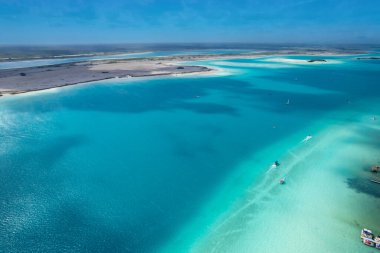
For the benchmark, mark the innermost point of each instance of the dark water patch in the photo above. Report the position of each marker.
(159, 95)
(364, 185)
(190, 151)
(181, 94)
(211, 130)
(208, 108)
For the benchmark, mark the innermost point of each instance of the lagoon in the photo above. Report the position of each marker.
(182, 164)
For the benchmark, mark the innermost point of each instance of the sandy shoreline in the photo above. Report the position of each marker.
(16, 81)
(22, 80)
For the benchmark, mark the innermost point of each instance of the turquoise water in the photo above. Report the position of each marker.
(180, 164)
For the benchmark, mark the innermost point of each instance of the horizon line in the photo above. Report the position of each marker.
(188, 43)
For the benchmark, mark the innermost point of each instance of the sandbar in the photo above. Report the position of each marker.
(21, 80)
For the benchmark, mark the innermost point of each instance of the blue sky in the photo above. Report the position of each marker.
(95, 21)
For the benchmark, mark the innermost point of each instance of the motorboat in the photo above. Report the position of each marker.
(369, 239)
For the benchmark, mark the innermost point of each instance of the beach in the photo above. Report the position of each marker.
(13, 81)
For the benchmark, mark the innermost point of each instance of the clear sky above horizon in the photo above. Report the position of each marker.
(131, 21)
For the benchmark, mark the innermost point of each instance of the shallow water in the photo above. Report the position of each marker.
(52, 61)
(180, 164)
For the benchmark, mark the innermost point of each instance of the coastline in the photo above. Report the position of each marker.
(68, 56)
(31, 79)
(231, 218)
(16, 81)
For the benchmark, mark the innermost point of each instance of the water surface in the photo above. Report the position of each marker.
(180, 164)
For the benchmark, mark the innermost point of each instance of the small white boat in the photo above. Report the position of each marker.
(307, 138)
(366, 233)
(275, 164)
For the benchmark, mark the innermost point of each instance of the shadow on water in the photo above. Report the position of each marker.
(364, 185)
(180, 94)
(368, 137)
(156, 95)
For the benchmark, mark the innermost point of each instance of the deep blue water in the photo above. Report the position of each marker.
(121, 167)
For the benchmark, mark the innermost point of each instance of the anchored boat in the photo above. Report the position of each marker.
(368, 238)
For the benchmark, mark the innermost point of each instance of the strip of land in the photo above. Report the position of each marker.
(15, 81)
(21, 80)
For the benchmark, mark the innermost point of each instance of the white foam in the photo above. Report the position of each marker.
(251, 65)
(300, 61)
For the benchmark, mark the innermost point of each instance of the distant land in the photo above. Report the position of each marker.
(26, 52)
(21, 80)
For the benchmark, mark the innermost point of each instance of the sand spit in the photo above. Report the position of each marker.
(21, 80)
(15, 81)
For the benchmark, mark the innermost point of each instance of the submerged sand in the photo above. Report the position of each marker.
(327, 199)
